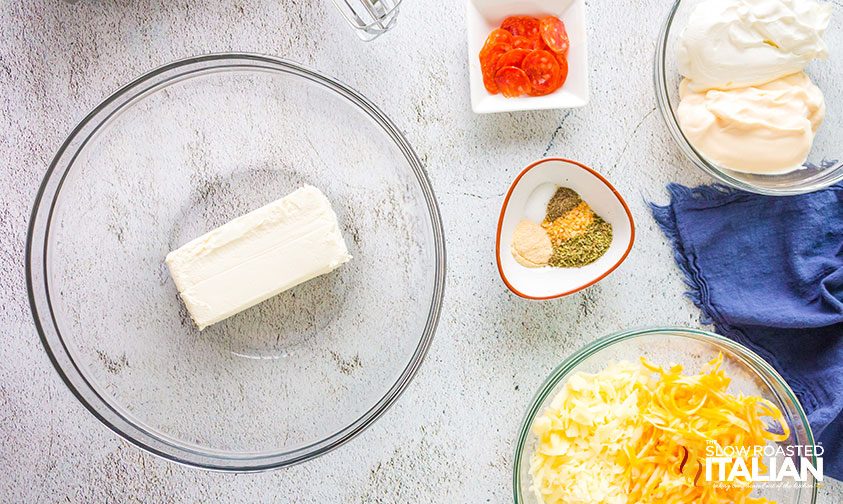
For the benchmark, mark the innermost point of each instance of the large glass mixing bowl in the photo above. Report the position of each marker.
(177, 153)
(824, 166)
(691, 348)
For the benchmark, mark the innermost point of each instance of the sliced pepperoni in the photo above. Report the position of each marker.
(520, 42)
(495, 37)
(563, 70)
(554, 34)
(488, 72)
(489, 81)
(493, 53)
(541, 45)
(544, 72)
(489, 64)
(528, 43)
(513, 57)
(522, 26)
(512, 82)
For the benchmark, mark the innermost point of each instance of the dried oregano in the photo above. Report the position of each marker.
(585, 248)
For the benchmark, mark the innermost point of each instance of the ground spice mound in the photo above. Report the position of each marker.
(571, 224)
(531, 246)
(585, 248)
(570, 236)
(563, 201)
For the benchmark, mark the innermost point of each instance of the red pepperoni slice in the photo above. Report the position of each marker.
(489, 79)
(512, 81)
(563, 70)
(554, 34)
(522, 26)
(528, 43)
(494, 52)
(489, 64)
(544, 72)
(513, 57)
(541, 45)
(496, 36)
(520, 42)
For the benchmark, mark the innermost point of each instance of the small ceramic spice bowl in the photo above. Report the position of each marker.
(527, 198)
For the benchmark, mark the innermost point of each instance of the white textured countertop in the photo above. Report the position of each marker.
(450, 437)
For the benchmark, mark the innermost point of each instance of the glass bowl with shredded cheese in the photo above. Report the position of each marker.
(665, 415)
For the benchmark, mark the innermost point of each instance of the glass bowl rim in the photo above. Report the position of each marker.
(561, 371)
(692, 154)
(37, 277)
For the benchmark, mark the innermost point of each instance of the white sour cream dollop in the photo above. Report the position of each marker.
(730, 44)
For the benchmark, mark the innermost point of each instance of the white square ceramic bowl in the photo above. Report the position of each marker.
(528, 197)
(483, 16)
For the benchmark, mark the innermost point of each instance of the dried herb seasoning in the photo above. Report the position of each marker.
(575, 235)
(585, 248)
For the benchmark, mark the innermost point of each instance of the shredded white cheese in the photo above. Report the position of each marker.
(582, 438)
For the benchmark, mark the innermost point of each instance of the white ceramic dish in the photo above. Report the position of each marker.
(483, 16)
(527, 198)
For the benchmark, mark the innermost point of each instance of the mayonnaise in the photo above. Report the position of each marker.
(730, 44)
(766, 129)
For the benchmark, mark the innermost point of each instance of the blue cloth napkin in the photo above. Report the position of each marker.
(768, 273)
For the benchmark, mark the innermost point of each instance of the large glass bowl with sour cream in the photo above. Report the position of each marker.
(824, 165)
(183, 150)
(691, 348)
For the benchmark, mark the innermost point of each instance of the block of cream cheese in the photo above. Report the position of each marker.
(257, 256)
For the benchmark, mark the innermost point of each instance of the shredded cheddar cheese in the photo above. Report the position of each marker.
(637, 434)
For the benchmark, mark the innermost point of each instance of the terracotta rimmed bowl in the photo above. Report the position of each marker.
(527, 198)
